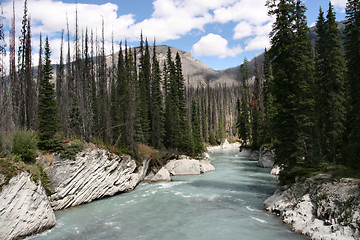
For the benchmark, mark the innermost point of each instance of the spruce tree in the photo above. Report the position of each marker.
(243, 124)
(172, 114)
(48, 111)
(196, 131)
(352, 46)
(269, 108)
(330, 85)
(292, 65)
(143, 95)
(157, 121)
(184, 128)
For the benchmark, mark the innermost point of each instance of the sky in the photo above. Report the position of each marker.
(220, 33)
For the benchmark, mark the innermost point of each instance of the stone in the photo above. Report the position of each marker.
(94, 174)
(183, 167)
(162, 175)
(254, 155)
(275, 170)
(24, 208)
(188, 166)
(206, 166)
(266, 158)
(318, 209)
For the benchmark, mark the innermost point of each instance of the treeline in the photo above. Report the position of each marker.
(307, 103)
(123, 103)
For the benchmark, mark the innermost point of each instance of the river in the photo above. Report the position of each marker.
(224, 204)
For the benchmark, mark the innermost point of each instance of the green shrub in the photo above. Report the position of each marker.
(25, 145)
(71, 148)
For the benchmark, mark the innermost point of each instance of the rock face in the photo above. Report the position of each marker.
(24, 208)
(94, 174)
(187, 166)
(254, 155)
(266, 158)
(324, 211)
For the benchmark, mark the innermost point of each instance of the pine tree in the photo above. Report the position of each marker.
(184, 128)
(243, 123)
(75, 119)
(292, 65)
(352, 46)
(196, 130)
(143, 111)
(220, 133)
(330, 82)
(172, 114)
(48, 111)
(269, 108)
(157, 122)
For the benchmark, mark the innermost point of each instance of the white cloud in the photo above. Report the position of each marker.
(258, 43)
(242, 30)
(253, 11)
(215, 45)
(339, 3)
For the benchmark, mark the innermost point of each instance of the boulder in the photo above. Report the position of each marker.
(183, 167)
(275, 170)
(162, 175)
(320, 210)
(24, 208)
(254, 155)
(188, 166)
(94, 174)
(266, 158)
(206, 166)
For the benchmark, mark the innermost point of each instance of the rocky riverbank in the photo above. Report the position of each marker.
(24, 208)
(320, 208)
(94, 174)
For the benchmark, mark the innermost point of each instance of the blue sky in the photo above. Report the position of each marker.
(220, 33)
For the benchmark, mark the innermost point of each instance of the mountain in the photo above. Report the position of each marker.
(198, 74)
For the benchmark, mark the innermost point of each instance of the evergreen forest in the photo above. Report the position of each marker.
(302, 100)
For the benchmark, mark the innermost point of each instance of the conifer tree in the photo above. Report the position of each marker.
(143, 111)
(330, 85)
(184, 128)
(157, 122)
(220, 133)
(75, 119)
(243, 123)
(269, 108)
(48, 111)
(196, 130)
(172, 114)
(352, 46)
(292, 65)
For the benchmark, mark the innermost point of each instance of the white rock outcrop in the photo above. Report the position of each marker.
(24, 208)
(254, 155)
(94, 174)
(275, 170)
(162, 175)
(188, 166)
(266, 157)
(322, 211)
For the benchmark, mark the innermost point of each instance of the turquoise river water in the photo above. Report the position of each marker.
(224, 204)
